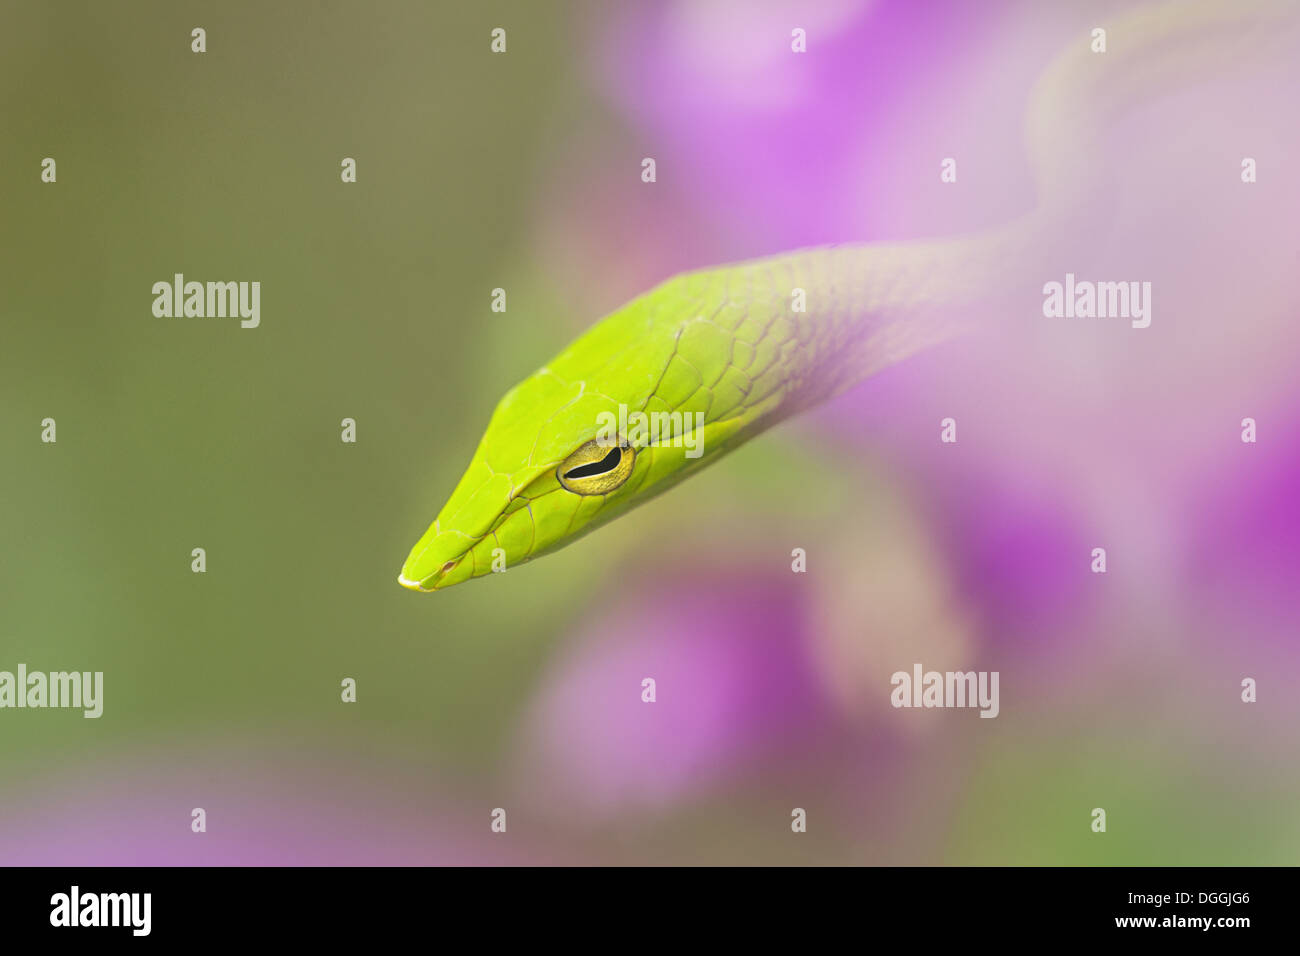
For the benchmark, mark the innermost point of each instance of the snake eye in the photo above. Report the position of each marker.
(596, 469)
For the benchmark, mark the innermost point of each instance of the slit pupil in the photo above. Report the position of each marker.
(608, 463)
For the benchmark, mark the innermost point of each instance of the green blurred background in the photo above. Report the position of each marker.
(184, 433)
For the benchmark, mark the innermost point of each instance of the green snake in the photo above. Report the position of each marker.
(719, 355)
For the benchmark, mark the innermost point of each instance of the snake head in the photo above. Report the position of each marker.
(640, 401)
(516, 499)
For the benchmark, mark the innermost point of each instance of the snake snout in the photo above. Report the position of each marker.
(436, 561)
(430, 583)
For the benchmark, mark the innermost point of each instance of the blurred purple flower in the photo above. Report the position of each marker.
(733, 682)
(263, 809)
(786, 149)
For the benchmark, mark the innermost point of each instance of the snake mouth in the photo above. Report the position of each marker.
(429, 584)
(439, 559)
(407, 583)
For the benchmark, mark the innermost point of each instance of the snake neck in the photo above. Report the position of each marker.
(844, 312)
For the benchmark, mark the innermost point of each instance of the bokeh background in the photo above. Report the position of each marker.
(522, 691)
